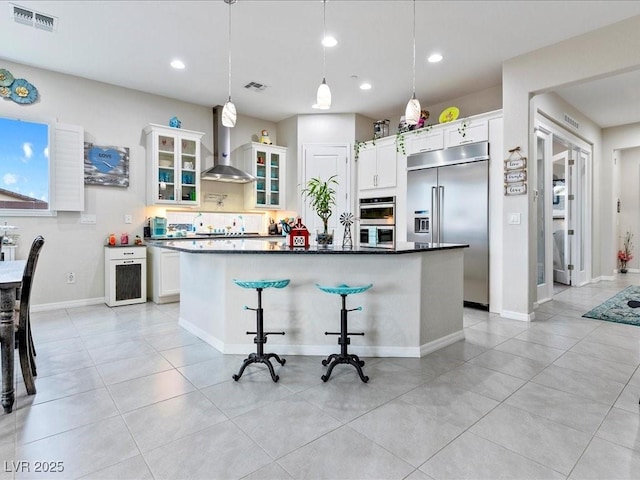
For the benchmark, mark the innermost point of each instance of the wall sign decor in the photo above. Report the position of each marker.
(108, 166)
(515, 173)
(16, 89)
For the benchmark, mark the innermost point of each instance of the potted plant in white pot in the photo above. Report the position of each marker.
(322, 196)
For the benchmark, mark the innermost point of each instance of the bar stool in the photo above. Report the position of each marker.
(344, 356)
(260, 335)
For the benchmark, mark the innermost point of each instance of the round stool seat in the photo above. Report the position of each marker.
(262, 283)
(344, 289)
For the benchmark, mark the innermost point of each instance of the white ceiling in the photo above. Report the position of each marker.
(277, 43)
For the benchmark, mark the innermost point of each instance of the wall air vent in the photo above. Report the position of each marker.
(255, 86)
(571, 121)
(32, 18)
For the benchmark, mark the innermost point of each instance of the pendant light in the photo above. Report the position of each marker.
(229, 109)
(412, 112)
(323, 98)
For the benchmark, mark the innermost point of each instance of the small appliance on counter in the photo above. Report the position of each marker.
(158, 227)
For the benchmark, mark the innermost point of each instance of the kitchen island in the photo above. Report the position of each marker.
(414, 307)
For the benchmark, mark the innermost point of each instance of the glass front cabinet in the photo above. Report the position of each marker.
(173, 165)
(267, 164)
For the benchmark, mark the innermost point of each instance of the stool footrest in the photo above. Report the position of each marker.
(332, 333)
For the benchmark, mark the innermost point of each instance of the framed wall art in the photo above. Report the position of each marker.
(106, 165)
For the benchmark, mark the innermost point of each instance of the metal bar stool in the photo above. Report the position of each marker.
(344, 356)
(260, 335)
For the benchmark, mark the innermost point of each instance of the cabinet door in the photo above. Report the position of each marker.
(459, 134)
(188, 180)
(169, 273)
(425, 142)
(165, 148)
(260, 159)
(274, 180)
(386, 166)
(367, 168)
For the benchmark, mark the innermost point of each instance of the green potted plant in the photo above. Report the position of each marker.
(322, 196)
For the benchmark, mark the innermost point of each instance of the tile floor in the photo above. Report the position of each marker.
(125, 393)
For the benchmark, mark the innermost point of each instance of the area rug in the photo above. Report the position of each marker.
(617, 308)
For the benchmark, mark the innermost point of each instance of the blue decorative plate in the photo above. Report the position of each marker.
(5, 92)
(23, 92)
(6, 78)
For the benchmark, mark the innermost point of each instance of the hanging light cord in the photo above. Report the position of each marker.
(230, 2)
(324, 35)
(414, 48)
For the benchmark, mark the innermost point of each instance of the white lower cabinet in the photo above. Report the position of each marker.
(164, 275)
(125, 275)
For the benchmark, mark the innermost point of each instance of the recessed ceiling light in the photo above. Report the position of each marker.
(434, 58)
(365, 86)
(177, 64)
(329, 41)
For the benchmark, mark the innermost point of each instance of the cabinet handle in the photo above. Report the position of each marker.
(467, 141)
(127, 253)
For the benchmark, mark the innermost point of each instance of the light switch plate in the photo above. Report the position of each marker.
(128, 219)
(514, 219)
(88, 218)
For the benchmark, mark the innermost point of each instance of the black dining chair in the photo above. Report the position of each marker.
(24, 341)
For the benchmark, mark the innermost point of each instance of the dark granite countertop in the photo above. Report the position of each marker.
(278, 245)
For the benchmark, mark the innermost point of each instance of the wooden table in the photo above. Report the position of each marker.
(10, 280)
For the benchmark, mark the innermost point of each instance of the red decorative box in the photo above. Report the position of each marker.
(299, 235)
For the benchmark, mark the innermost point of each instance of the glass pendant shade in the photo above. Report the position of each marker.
(412, 112)
(229, 114)
(323, 99)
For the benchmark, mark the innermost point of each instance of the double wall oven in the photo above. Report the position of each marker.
(378, 222)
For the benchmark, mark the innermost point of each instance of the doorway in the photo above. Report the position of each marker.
(563, 199)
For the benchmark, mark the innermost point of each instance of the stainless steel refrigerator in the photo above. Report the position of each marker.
(448, 202)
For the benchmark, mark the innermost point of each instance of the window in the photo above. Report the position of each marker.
(24, 166)
(41, 168)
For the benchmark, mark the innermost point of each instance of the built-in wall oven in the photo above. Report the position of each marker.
(377, 222)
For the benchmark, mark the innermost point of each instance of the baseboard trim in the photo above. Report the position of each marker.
(522, 317)
(85, 302)
(325, 350)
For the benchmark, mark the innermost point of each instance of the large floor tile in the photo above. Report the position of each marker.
(604, 460)
(508, 363)
(622, 427)
(109, 353)
(483, 381)
(63, 384)
(222, 451)
(628, 399)
(250, 392)
(341, 455)
(57, 416)
(265, 425)
(163, 422)
(450, 403)
(272, 471)
(556, 446)
(602, 335)
(407, 430)
(611, 353)
(501, 326)
(583, 384)
(575, 411)
(189, 354)
(596, 366)
(63, 362)
(134, 468)
(482, 338)
(217, 370)
(129, 368)
(533, 351)
(472, 457)
(144, 391)
(176, 339)
(461, 351)
(82, 450)
(535, 335)
(565, 327)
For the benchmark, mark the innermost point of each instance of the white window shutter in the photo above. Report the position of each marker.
(68, 168)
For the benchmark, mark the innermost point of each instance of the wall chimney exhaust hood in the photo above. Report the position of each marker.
(222, 170)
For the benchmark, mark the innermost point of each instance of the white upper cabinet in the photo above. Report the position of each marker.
(377, 164)
(267, 163)
(466, 131)
(173, 166)
(424, 141)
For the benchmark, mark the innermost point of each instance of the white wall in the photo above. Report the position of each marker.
(628, 220)
(540, 71)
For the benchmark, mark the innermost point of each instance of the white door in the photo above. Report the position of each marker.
(324, 161)
(580, 220)
(562, 215)
(542, 182)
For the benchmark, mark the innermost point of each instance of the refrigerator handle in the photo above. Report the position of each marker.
(440, 208)
(434, 214)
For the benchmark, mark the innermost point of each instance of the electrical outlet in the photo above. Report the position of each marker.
(71, 277)
(128, 219)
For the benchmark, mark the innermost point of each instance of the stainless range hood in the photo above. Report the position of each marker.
(222, 170)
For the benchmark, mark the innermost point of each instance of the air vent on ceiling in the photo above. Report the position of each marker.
(255, 86)
(571, 121)
(32, 18)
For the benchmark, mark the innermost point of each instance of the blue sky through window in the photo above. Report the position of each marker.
(24, 158)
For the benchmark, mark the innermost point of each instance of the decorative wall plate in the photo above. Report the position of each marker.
(23, 92)
(6, 78)
(5, 92)
(449, 114)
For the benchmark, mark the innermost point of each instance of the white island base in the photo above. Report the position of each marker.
(414, 307)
